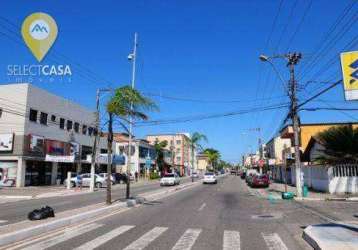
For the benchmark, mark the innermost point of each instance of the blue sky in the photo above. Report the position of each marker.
(202, 50)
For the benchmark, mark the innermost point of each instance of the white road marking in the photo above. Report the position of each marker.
(104, 238)
(68, 234)
(146, 239)
(274, 242)
(202, 207)
(3, 221)
(187, 240)
(231, 240)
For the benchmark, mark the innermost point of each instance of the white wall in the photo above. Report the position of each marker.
(321, 178)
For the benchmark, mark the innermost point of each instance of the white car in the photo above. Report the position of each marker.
(195, 175)
(86, 180)
(104, 176)
(170, 179)
(210, 177)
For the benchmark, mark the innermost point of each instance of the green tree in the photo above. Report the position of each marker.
(340, 145)
(125, 103)
(159, 148)
(213, 156)
(195, 143)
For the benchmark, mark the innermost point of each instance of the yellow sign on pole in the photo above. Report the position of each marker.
(349, 62)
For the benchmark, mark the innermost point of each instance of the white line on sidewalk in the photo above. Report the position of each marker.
(104, 238)
(274, 242)
(68, 234)
(187, 240)
(146, 239)
(231, 240)
(202, 207)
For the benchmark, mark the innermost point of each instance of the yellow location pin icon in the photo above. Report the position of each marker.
(39, 31)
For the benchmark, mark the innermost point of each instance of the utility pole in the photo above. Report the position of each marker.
(292, 61)
(94, 148)
(132, 57)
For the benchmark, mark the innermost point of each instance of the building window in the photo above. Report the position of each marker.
(104, 151)
(77, 127)
(178, 158)
(178, 142)
(62, 123)
(33, 115)
(90, 131)
(84, 129)
(178, 150)
(171, 143)
(43, 118)
(69, 125)
(53, 118)
(0, 112)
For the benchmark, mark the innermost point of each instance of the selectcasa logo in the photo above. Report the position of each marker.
(39, 31)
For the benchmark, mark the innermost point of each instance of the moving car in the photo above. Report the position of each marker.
(209, 177)
(260, 181)
(171, 179)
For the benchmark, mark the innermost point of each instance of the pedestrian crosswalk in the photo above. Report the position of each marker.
(187, 240)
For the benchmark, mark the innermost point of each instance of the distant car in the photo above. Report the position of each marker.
(104, 175)
(260, 181)
(170, 180)
(195, 175)
(222, 171)
(233, 171)
(248, 178)
(209, 177)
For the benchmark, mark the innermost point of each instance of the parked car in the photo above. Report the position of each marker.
(243, 175)
(195, 175)
(73, 181)
(120, 178)
(222, 171)
(249, 178)
(170, 180)
(209, 177)
(86, 180)
(260, 181)
(104, 175)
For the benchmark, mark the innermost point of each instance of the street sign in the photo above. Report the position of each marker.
(349, 62)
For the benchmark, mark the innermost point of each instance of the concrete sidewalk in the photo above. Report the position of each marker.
(276, 189)
(332, 236)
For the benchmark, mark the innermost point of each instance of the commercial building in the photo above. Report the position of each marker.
(202, 163)
(179, 146)
(43, 136)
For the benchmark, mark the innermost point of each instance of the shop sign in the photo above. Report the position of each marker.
(349, 63)
(37, 144)
(75, 149)
(55, 147)
(60, 158)
(6, 142)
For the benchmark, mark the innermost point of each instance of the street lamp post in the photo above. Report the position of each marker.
(292, 59)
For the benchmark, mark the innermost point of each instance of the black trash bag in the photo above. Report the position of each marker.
(40, 214)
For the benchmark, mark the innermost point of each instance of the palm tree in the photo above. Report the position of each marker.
(125, 103)
(340, 145)
(159, 147)
(194, 143)
(213, 156)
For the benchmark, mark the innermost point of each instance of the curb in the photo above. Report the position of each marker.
(16, 197)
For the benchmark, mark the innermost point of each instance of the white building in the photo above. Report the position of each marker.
(42, 136)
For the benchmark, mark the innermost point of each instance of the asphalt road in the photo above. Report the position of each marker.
(17, 211)
(223, 216)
